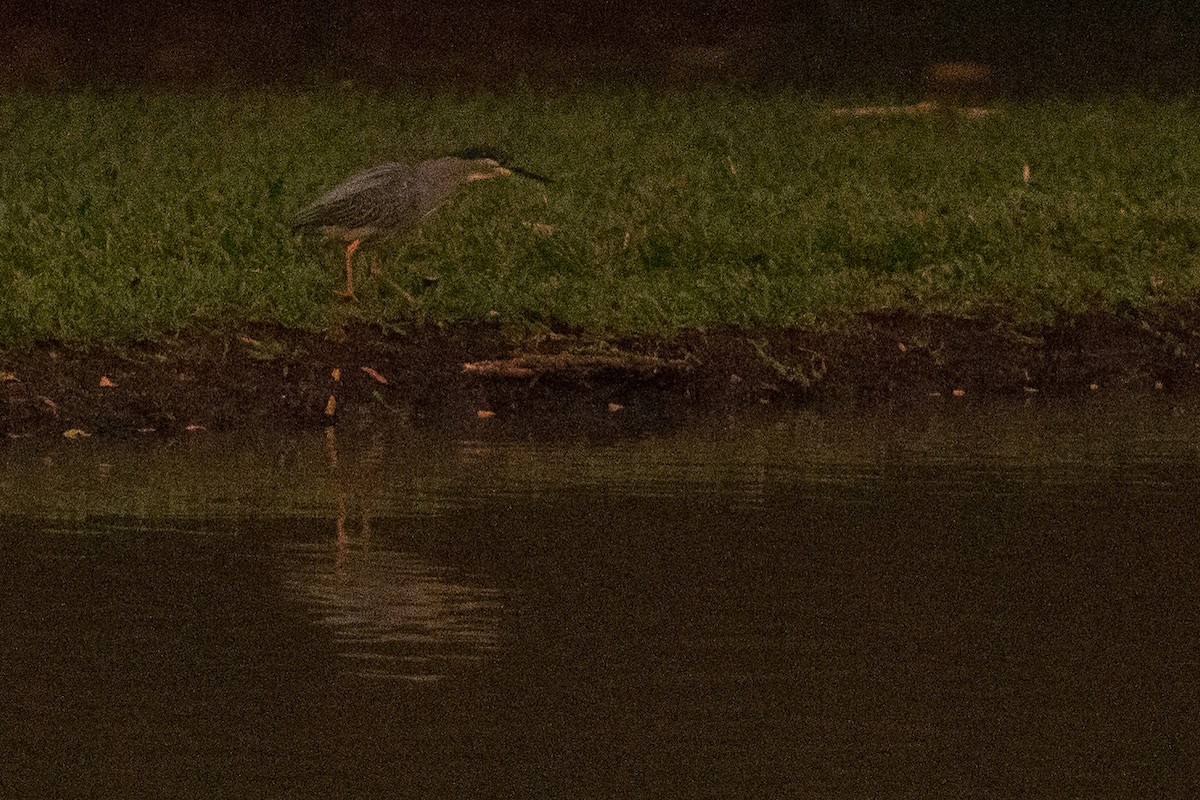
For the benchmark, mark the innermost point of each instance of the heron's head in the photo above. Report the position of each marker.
(485, 162)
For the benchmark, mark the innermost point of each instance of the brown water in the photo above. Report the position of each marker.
(998, 603)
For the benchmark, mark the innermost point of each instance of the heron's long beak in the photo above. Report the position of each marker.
(524, 173)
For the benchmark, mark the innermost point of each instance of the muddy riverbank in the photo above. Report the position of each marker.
(265, 376)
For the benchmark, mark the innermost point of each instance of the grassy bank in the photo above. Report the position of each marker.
(124, 216)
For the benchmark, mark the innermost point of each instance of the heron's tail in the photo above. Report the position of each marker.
(306, 219)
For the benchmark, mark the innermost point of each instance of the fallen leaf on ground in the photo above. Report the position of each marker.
(195, 427)
(106, 382)
(484, 414)
(615, 407)
(539, 227)
(8, 376)
(331, 406)
(76, 433)
(336, 373)
(374, 374)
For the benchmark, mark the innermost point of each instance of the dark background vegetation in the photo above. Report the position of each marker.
(1149, 46)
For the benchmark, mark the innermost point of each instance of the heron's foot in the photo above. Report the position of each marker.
(347, 294)
(407, 295)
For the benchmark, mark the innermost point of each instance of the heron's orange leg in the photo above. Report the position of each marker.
(349, 293)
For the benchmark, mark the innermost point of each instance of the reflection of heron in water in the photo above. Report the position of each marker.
(396, 613)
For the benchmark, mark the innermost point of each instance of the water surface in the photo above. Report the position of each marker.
(973, 603)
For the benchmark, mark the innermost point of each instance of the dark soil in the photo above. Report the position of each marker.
(268, 377)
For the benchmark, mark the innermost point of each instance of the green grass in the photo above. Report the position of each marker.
(124, 216)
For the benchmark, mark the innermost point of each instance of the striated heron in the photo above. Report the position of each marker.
(394, 198)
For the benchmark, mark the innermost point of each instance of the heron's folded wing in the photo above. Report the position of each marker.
(380, 197)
